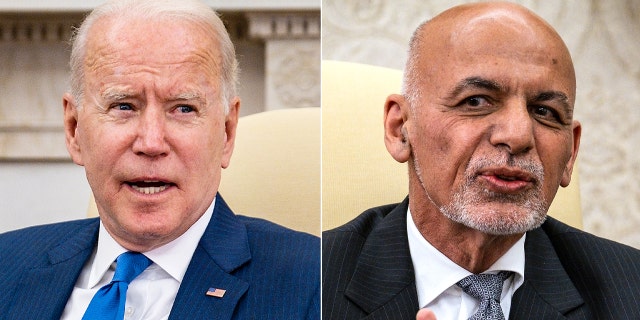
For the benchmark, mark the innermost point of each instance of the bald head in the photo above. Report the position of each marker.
(467, 34)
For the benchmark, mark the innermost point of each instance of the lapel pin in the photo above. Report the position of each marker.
(215, 292)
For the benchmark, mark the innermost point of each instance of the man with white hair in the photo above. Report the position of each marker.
(152, 115)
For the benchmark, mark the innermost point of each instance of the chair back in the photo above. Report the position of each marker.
(275, 168)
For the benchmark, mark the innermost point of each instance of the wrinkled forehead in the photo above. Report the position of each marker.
(153, 41)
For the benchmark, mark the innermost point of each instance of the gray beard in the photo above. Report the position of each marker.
(467, 206)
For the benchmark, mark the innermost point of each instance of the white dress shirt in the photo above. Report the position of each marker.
(151, 294)
(436, 277)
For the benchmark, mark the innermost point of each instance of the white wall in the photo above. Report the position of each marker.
(37, 193)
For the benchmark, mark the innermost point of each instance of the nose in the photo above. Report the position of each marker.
(513, 128)
(151, 133)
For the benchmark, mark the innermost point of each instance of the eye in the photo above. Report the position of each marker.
(122, 107)
(545, 113)
(475, 102)
(185, 109)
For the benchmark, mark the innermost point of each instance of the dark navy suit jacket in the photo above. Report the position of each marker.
(268, 272)
(569, 274)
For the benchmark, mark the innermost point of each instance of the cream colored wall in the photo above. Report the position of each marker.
(602, 36)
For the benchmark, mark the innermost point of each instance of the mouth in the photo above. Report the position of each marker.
(508, 174)
(507, 180)
(149, 186)
(511, 178)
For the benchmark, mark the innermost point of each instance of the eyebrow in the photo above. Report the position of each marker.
(186, 96)
(112, 94)
(476, 83)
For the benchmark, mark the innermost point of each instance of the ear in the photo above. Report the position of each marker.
(230, 125)
(568, 170)
(71, 128)
(396, 135)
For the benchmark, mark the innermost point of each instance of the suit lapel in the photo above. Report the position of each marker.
(547, 292)
(383, 283)
(223, 248)
(43, 291)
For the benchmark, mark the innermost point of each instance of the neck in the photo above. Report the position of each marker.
(471, 249)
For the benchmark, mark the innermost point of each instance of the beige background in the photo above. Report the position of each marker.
(604, 39)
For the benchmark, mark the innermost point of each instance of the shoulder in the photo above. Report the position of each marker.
(260, 232)
(33, 246)
(264, 230)
(268, 241)
(43, 236)
(348, 239)
(342, 246)
(362, 225)
(599, 268)
(581, 244)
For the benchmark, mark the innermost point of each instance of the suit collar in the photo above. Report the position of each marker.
(547, 288)
(222, 250)
(225, 239)
(384, 271)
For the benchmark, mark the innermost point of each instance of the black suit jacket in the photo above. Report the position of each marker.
(569, 274)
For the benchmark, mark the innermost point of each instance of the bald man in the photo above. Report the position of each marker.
(485, 123)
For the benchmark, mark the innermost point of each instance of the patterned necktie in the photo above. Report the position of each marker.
(108, 302)
(487, 288)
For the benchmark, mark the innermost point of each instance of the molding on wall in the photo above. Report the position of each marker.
(293, 71)
(292, 58)
(286, 25)
(33, 27)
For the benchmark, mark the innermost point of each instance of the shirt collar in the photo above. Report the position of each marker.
(173, 257)
(435, 273)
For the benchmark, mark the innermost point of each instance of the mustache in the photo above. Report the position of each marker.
(528, 165)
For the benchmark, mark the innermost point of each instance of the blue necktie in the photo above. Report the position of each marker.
(108, 302)
(487, 288)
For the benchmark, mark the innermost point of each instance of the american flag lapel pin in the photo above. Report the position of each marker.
(215, 292)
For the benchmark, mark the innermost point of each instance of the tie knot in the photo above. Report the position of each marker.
(129, 265)
(484, 286)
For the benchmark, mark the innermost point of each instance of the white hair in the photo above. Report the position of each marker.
(412, 75)
(188, 10)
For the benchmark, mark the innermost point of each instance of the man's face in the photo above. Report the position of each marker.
(492, 132)
(151, 130)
